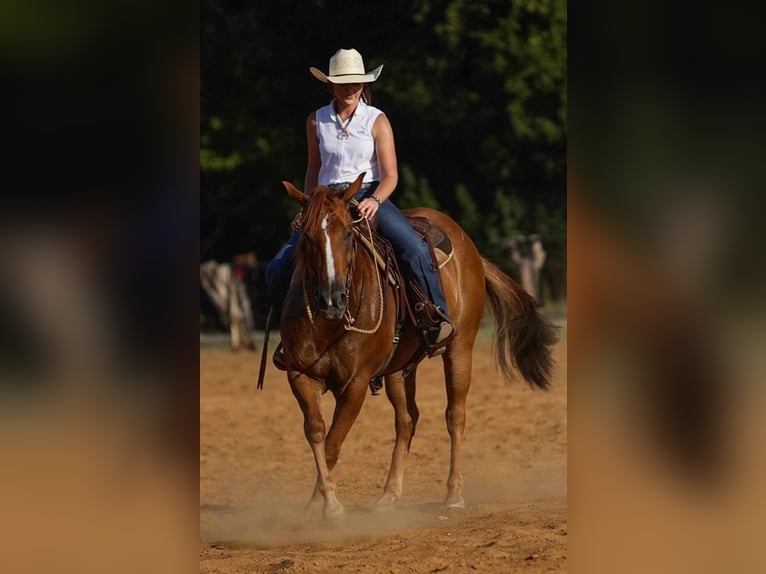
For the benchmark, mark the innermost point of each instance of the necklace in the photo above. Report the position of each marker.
(343, 127)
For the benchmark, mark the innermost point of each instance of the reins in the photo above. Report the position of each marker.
(349, 320)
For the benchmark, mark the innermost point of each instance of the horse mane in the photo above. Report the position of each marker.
(313, 209)
(322, 197)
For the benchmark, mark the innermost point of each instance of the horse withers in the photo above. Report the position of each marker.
(338, 326)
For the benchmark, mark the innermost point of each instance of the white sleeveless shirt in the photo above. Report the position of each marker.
(344, 159)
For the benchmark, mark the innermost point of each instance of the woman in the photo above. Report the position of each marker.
(345, 138)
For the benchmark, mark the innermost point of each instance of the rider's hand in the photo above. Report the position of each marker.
(295, 225)
(368, 207)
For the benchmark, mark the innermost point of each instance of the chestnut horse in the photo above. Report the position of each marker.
(337, 331)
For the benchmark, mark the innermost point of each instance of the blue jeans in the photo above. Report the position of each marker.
(280, 270)
(411, 251)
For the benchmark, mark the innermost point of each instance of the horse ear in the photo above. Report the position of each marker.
(295, 193)
(353, 188)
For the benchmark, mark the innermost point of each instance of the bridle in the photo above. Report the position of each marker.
(349, 320)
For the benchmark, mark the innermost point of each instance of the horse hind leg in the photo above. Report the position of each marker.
(401, 393)
(457, 374)
(307, 393)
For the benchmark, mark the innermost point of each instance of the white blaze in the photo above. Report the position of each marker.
(328, 255)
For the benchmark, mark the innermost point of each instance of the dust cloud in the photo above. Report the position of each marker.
(285, 522)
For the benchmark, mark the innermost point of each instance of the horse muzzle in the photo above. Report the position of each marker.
(332, 306)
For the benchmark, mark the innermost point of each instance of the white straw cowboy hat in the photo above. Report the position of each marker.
(347, 67)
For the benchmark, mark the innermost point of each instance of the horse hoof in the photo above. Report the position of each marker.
(334, 512)
(386, 501)
(455, 502)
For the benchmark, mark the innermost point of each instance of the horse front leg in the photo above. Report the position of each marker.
(401, 394)
(308, 393)
(347, 407)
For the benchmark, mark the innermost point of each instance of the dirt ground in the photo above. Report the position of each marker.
(257, 473)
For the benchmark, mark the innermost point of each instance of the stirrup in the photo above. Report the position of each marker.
(279, 358)
(438, 337)
(376, 383)
(436, 328)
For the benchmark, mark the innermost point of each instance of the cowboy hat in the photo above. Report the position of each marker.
(347, 67)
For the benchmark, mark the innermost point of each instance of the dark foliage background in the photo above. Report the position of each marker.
(475, 91)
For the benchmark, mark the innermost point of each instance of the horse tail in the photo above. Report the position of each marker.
(523, 336)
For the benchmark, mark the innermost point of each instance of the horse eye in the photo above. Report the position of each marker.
(347, 234)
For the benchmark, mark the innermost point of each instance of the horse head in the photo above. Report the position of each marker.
(326, 247)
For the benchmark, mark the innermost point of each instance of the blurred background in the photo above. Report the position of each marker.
(666, 282)
(476, 95)
(98, 308)
(122, 126)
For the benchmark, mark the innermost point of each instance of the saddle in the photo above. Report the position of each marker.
(412, 304)
(440, 247)
(440, 244)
